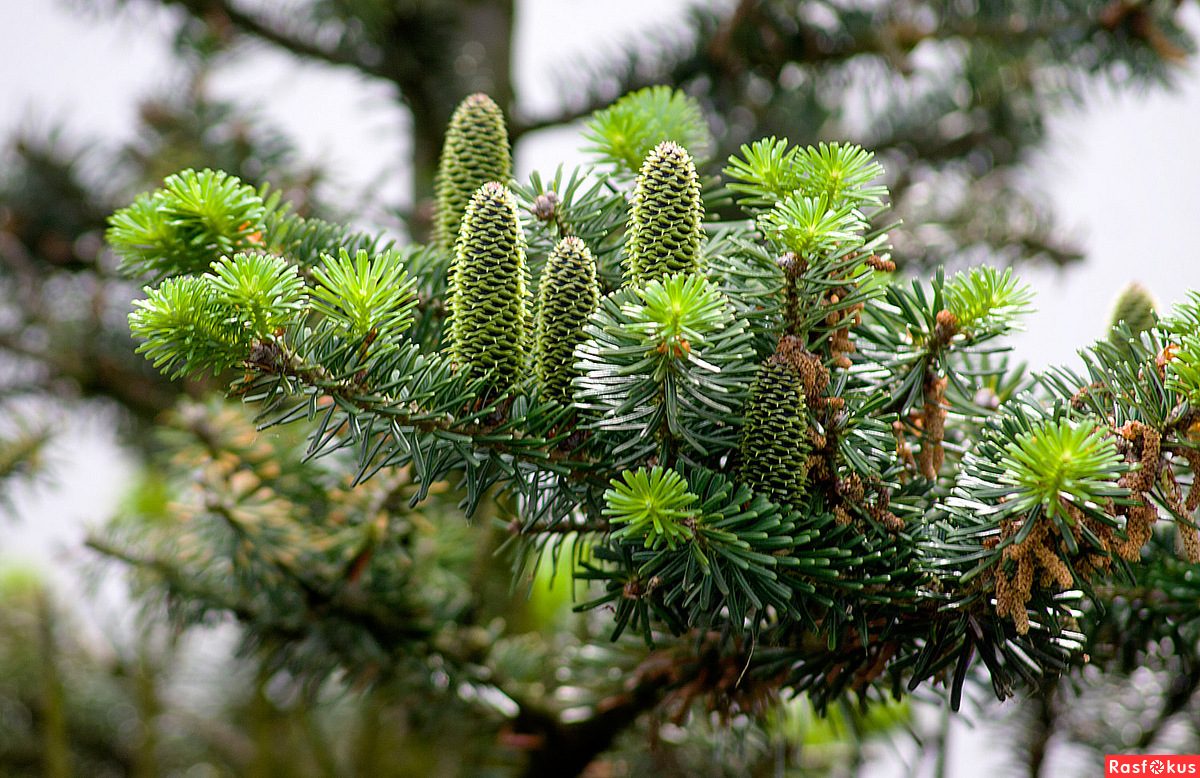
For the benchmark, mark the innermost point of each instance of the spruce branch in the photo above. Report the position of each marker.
(723, 443)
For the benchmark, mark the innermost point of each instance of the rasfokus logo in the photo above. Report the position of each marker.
(1151, 764)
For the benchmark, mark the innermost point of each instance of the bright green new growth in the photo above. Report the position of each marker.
(488, 306)
(182, 227)
(1185, 317)
(813, 229)
(567, 296)
(625, 132)
(190, 324)
(986, 299)
(1135, 307)
(184, 329)
(769, 171)
(677, 312)
(774, 446)
(1183, 370)
(808, 201)
(665, 367)
(364, 294)
(654, 504)
(475, 151)
(262, 291)
(1059, 460)
(665, 226)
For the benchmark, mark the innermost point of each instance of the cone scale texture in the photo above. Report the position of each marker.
(475, 151)
(488, 289)
(665, 225)
(774, 445)
(567, 296)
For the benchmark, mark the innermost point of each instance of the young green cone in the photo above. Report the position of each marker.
(567, 296)
(488, 284)
(665, 226)
(1135, 307)
(774, 446)
(474, 152)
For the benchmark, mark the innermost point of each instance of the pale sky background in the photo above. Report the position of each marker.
(1122, 173)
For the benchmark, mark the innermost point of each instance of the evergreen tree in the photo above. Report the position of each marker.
(960, 127)
(781, 471)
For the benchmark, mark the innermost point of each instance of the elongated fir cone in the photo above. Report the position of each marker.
(475, 151)
(1135, 307)
(666, 222)
(567, 296)
(488, 288)
(774, 446)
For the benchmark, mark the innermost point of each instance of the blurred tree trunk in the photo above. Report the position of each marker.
(483, 41)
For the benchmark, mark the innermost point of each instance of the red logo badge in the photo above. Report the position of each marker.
(1151, 765)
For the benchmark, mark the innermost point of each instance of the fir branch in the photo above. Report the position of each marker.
(257, 27)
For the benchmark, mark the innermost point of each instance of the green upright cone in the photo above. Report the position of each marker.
(488, 283)
(475, 151)
(774, 447)
(1135, 307)
(567, 296)
(665, 226)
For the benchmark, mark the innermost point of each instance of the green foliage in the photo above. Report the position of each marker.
(774, 445)
(810, 228)
(567, 296)
(652, 505)
(766, 456)
(769, 171)
(580, 204)
(986, 300)
(765, 173)
(194, 219)
(843, 173)
(367, 296)
(664, 366)
(1183, 371)
(624, 133)
(731, 557)
(263, 292)
(916, 344)
(475, 151)
(873, 621)
(665, 223)
(1056, 461)
(185, 329)
(677, 312)
(809, 203)
(488, 298)
(1185, 317)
